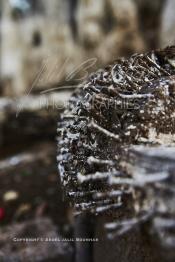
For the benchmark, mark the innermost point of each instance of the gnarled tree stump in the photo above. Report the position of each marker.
(129, 103)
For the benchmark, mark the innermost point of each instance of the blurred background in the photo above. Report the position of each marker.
(46, 49)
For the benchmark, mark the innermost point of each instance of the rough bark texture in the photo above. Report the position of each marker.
(118, 107)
